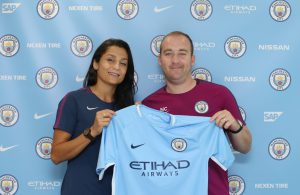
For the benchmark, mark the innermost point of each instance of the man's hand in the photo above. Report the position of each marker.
(225, 120)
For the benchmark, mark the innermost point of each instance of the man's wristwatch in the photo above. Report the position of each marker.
(87, 134)
(239, 130)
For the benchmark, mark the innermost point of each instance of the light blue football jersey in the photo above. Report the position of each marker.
(156, 153)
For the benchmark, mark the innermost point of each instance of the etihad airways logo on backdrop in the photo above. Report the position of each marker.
(44, 185)
(240, 9)
(249, 79)
(204, 46)
(156, 78)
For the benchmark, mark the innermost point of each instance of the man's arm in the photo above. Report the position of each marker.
(241, 139)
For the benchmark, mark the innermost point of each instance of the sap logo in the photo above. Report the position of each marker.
(8, 8)
(271, 116)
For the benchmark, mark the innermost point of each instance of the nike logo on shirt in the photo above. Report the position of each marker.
(39, 116)
(91, 108)
(158, 10)
(135, 146)
(3, 149)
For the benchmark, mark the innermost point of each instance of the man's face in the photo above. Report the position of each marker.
(176, 59)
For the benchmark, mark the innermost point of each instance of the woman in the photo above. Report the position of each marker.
(81, 115)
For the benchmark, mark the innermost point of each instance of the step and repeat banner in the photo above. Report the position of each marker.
(252, 47)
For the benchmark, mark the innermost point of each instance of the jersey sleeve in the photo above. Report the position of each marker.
(221, 152)
(108, 149)
(66, 114)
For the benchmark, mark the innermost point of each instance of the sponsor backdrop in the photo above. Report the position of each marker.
(249, 46)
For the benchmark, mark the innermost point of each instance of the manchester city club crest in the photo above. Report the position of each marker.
(135, 77)
(280, 11)
(155, 44)
(9, 115)
(127, 9)
(280, 79)
(9, 45)
(243, 113)
(46, 78)
(47, 9)
(201, 9)
(8, 185)
(179, 144)
(235, 47)
(279, 148)
(43, 147)
(201, 107)
(236, 185)
(81, 45)
(202, 73)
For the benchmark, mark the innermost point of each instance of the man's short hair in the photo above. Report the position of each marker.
(179, 33)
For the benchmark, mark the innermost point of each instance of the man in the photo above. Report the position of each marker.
(184, 95)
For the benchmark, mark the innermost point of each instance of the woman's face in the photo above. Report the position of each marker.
(112, 67)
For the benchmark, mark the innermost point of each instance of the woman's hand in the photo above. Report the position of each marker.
(102, 119)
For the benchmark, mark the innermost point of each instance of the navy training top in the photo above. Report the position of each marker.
(76, 112)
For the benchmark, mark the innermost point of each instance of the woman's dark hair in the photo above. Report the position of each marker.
(124, 94)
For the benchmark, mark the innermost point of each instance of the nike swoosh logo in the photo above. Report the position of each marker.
(91, 108)
(135, 146)
(158, 10)
(79, 78)
(3, 149)
(39, 116)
